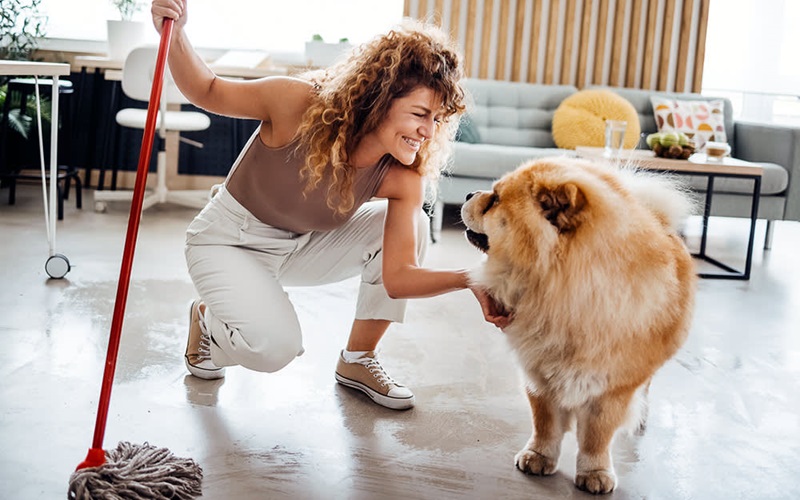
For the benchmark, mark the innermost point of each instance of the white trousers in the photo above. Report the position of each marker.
(240, 265)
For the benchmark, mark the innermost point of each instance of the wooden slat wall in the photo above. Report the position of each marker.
(649, 44)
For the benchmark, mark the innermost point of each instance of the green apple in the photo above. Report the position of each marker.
(670, 139)
(653, 139)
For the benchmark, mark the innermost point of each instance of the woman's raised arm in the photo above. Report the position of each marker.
(263, 99)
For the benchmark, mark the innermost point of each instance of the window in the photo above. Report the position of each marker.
(751, 56)
(274, 26)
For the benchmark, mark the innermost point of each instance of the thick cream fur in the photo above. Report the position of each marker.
(600, 303)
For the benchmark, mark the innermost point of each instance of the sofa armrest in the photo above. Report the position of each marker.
(757, 142)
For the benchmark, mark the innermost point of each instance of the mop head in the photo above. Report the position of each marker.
(138, 472)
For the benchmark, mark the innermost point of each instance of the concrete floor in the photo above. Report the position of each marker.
(724, 420)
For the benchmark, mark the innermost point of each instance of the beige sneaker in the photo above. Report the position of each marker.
(369, 377)
(198, 348)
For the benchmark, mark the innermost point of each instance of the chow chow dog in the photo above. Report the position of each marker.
(587, 259)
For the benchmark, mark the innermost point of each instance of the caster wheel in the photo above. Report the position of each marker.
(100, 207)
(57, 266)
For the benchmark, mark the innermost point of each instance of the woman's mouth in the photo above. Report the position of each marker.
(413, 143)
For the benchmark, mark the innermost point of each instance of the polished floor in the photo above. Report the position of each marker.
(724, 420)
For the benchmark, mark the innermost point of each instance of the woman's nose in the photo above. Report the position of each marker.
(426, 130)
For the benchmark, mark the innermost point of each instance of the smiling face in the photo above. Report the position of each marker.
(411, 120)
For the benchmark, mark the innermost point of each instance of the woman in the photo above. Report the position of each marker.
(294, 209)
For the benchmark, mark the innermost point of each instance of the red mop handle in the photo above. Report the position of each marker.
(96, 456)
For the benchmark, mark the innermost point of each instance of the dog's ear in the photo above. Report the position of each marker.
(562, 205)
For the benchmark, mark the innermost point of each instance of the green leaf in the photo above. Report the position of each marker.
(19, 122)
(127, 8)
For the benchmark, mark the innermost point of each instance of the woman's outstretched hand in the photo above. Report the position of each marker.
(493, 311)
(173, 9)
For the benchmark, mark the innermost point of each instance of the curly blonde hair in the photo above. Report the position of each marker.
(353, 97)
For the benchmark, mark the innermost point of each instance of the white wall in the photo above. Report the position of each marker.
(243, 24)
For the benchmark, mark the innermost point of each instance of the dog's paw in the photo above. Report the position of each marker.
(596, 481)
(530, 462)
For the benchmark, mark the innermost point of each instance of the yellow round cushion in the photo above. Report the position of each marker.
(580, 119)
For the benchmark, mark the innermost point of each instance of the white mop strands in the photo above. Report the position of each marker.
(138, 472)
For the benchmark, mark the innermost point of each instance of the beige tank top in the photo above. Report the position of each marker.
(266, 181)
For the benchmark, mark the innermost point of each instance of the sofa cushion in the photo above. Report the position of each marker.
(640, 99)
(515, 113)
(580, 120)
(700, 120)
(468, 131)
(491, 161)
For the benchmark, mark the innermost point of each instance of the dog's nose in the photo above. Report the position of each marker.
(470, 195)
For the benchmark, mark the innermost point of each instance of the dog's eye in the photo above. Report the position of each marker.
(492, 202)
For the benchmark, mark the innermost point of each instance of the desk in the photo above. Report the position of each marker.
(57, 265)
(111, 65)
(699, 164)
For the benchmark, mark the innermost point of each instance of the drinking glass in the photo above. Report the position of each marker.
(615, 137)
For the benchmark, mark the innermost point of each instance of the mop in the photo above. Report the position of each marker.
(134, 471)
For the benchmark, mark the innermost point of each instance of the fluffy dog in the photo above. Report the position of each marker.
(601, 287)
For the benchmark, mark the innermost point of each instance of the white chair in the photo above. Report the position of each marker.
(137, 80)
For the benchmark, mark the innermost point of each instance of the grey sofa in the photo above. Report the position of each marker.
(513, 121)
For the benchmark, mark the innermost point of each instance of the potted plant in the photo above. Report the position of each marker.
(21, 25)
(125, 34)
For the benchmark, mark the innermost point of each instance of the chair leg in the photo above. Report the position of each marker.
(114, 171)
(768, 234)
(78, 191)
(101, 177)
(67, 184)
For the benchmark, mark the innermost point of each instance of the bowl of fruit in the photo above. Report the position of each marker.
(671, 145)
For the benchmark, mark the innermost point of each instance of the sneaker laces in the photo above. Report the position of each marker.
(377, 371)
(204, 348)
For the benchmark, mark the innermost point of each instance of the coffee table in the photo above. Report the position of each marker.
(711, 168)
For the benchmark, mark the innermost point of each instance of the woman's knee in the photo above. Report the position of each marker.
(269, 356)
(275, 359)
(256, 347)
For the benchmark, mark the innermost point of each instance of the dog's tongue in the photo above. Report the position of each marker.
(479, 240)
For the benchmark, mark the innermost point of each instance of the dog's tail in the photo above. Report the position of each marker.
(664, 194)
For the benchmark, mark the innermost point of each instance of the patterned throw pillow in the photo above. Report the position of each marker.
(702, 121)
